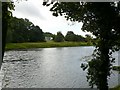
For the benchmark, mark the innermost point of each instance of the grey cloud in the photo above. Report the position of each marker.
(29, 9)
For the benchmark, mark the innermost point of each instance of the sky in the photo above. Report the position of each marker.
(41, 16)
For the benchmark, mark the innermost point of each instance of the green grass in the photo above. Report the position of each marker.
(11, 46)
(116, 88)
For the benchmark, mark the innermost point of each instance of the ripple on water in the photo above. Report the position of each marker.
(47, 68)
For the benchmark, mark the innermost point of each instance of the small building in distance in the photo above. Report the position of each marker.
(48, 38)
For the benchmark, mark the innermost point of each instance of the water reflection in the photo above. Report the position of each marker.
(47, 68)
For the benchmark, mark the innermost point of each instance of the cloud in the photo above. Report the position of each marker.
(41, 16)
(28, 9)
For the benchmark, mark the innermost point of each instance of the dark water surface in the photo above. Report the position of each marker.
(48, 68)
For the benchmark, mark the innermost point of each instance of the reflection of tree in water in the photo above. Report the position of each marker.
(86, 58)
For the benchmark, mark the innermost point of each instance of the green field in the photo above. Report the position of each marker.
(11, 46)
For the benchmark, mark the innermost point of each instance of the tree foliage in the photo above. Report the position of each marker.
(70, 36)
(22, 30)
(59, 37)
(48, 34)
(102, 20)
(89, 38)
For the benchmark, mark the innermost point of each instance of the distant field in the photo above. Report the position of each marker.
(11, 46)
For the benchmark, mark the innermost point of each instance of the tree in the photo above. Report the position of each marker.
(70, 36)
(79, 38)
(22, 30)
(89, 38)
(48, 34)
(102, 20)
(19, 29)
(36, 34)
(6, 14)
(59, 37)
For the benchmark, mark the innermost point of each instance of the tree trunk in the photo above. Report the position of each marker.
(104, 57)
(104, 68)
(4, 25)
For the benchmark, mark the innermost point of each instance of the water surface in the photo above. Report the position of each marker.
(48, 68)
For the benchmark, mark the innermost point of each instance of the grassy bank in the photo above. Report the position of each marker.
(116, 88)
(11, 46)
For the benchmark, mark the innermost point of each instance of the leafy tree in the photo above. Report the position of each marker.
(36, 34)
(54, 37)
(89, 38)
(48, 34)
(102, 20)
(59, 37)
(18, 29)
(79, 38)
(70, 36)
(22, 30)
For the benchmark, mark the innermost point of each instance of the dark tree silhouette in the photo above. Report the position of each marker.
(6, 14)
(59, 37)
(70, 36)
(22, 30)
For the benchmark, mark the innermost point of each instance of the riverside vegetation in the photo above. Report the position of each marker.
(24, 34)
(11, 46)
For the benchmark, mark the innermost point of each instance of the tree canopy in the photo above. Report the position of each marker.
(59, 37)
(22, 30)
(70, 36)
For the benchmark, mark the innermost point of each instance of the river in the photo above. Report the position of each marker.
(48, 68)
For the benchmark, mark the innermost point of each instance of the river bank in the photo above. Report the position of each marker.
(27, 45)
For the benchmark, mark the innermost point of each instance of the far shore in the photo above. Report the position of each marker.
(50, 44)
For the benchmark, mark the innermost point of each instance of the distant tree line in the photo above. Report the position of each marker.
(71, 37)
(22, 30)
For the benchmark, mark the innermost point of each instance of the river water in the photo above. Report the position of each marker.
(48, 68)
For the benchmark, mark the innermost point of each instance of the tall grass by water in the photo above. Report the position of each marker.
(11, 46)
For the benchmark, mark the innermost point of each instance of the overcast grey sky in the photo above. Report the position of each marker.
(41, 16)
